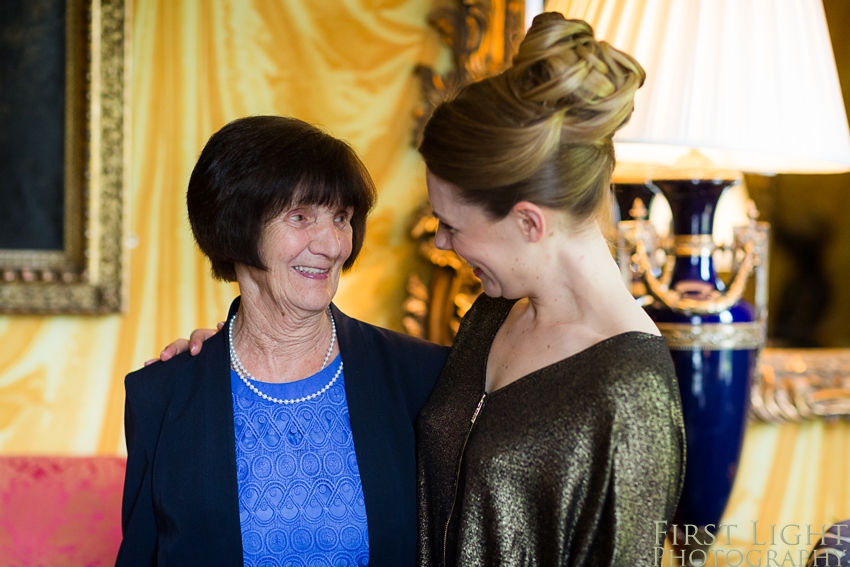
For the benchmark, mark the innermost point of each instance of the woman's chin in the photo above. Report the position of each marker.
(302, 298)
(317, 302)
(491, 290)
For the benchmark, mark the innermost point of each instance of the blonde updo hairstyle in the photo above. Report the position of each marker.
(542, 130)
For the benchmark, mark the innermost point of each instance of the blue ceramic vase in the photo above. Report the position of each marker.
(714, 354)
(626, 193)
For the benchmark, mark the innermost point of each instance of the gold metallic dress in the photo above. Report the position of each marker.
(570, 465)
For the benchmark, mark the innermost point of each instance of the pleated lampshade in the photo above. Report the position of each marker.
(749, 84)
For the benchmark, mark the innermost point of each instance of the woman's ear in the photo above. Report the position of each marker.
(530, 219)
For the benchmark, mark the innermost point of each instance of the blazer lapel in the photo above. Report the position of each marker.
(374, 430)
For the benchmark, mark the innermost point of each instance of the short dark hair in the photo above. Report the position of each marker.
(253, 169)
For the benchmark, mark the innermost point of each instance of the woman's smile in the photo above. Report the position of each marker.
(313, 273)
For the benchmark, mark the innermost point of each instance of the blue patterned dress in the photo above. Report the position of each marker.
(300, 497)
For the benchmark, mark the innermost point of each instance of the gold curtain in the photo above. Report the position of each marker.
(346, 65)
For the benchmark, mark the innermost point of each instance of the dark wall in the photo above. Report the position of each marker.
(810, 218)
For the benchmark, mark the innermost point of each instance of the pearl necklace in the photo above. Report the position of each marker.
(244, 375)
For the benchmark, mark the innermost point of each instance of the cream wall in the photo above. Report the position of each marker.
(346, 65)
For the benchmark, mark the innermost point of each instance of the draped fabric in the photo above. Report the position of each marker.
(346, 65)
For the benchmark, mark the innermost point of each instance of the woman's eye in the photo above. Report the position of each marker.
(447, 227)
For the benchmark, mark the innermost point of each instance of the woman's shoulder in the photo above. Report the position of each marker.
(623, 386)
(401, 363)
(404, 341)
(153, 386)
(630, 370)
(485, 313)
(641, 380)
(157, 381)
(633, 356)
(382, 346)
(401, 342)
(163, 371)
(635, 339)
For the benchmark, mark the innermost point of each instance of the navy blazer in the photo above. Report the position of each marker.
(180, 504)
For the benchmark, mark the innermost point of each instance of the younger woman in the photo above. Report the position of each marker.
(554, 435)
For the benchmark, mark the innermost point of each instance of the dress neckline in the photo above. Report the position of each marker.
(294, 389)
(557, 363)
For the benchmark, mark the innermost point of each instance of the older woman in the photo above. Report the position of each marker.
(289, 440)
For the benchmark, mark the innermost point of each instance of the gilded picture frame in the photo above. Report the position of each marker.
(87, 273)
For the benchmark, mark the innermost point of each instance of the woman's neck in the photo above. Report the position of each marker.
(577, 282)
(277, 343)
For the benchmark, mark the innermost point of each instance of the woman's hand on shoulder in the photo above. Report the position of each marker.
(193, 345)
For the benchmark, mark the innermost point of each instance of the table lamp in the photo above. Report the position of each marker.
(732, 86)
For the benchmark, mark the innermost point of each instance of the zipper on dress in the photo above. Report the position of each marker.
(457, 474)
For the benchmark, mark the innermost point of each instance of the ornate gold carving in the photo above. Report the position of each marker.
(637, 246)
(88, 276)
(713, 336)
(483, 35)
(796, 384)
(433, 312)
(679, 302)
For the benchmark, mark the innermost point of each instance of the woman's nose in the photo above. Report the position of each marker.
(325, 239)
(442, 240)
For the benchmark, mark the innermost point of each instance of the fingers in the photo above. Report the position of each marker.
(175, 348)
(193, 345)
(151, 361)
(197, 338)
